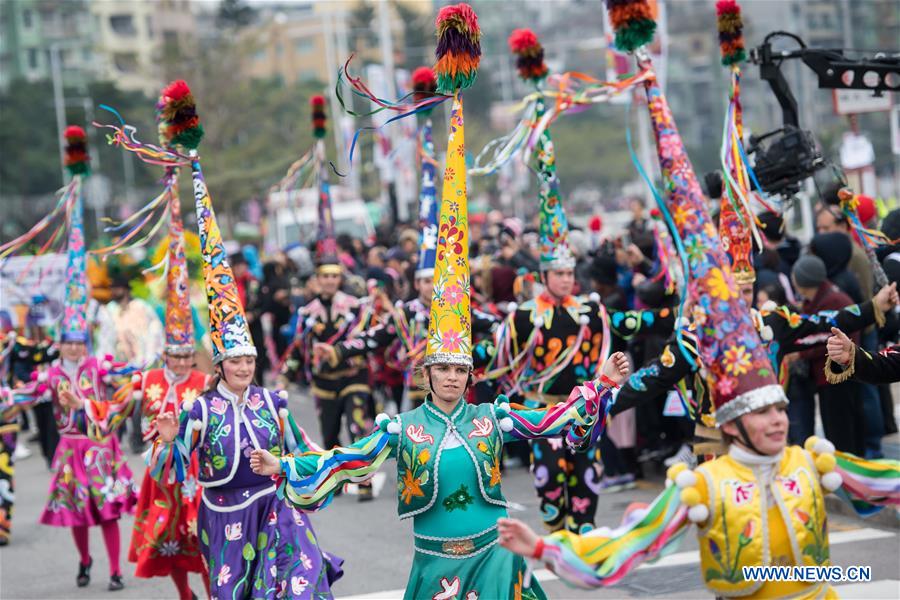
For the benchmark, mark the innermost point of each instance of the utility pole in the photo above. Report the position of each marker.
(59, 105)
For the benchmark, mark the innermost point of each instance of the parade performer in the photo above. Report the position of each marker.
(846, 360)
(9, 429)
(548, 344)
(448, 452)
(91, 484)
(404, 334)
(252, 543)
(342, 392)
(164, 541)
(762, 503)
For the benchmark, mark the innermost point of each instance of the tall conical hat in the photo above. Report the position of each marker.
(450, 325)
(424, 84)
(554, 227)
(74, 326)
(326, 241)
(179, 324)
(229, 332)
(742, 375)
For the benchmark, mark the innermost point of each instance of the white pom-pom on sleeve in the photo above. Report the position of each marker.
(197, 425)
(106, 365)
(393, 428)
(381, 418)
(768, 306)
(594, 297)
(823, 446)
(506, 424)
(698, 513)
(766, 333)
(504, 406)
(685, 479)
(136, 378)
(106, 379)
(832, 480)
(584, 319)
(138, 394)
(512, 307)
(188, 405)
(282, 394)
(539, 323)
(284, 413)
(43, 376)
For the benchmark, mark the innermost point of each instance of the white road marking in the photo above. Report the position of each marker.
(875, 589)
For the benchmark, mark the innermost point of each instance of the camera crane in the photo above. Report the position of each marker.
(878, 74)
(790, 154)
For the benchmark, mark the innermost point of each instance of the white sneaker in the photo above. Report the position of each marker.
(685, 455)
(22, 452)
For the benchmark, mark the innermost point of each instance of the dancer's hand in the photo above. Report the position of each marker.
(616, 368)
(69, 400)
(264, 463)
(517, 537)
(887, 298)
(324, 352)
(839, 347)
(167, 427)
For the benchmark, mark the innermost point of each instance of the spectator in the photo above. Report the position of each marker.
(840, 406)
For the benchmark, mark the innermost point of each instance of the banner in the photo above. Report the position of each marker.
(22, 278)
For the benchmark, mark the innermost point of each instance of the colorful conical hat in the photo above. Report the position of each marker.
(74, 326)
(734, 217)
(450, 325)
(730, 347)
(554, 227)
(228, 327)
(326, 241)
(179, 324)
(425, 84)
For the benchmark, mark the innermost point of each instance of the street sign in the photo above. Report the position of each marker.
(854, 102)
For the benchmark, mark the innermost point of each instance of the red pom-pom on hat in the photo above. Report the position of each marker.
(521, 40)
(424, 76)
(317, 101)
(74, 131)
(176, 90)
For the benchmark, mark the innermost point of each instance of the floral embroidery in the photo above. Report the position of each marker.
(154, 392)
(233, 531)
(790, 485)
(461, 498)
(415, 474)
(491, 448)
(737, 360)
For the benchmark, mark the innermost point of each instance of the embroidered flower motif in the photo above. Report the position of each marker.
(254, 402)
(737, 360)
(726, 385)
(189, 488)
(453, 294)
(218, 406)
(273, 518)
(298, 585)
(718, 287)
(154, 392)
(423, 457)
(747, 533)
(169, 548)
(224, 575)
(298, 517)
(234, 531)
(189, 395)
(411, 487)
(451, 340)
(305, 561)
(802, 515)
(449, 589)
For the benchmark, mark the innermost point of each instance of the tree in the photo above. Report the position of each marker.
(234, 14)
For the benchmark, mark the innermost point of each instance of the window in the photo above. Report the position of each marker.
(126, 62)
(32, 58)
(308, 75)
(122, 24)
(27, 18)
(149, 22)
(303, 46)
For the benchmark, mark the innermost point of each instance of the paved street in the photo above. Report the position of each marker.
(377, 547)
